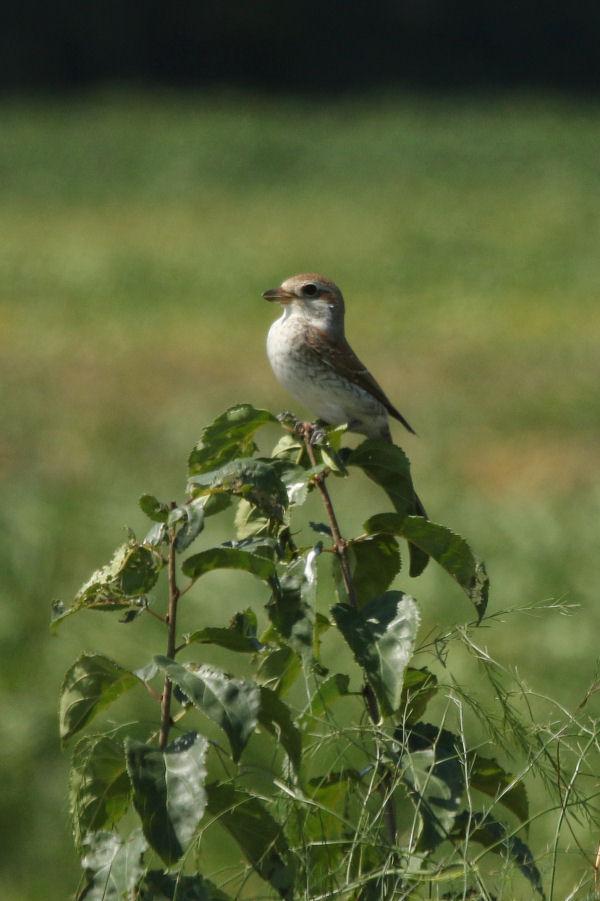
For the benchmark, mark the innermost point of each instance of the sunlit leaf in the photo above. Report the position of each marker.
(257, 481)
(260, 837)
(234, 704)
(121, 584)
(99, 787)
(112, 864)
(381, 636)
(279, 669)
(90, 685)
(228, 558)
(239, 636)
(450, 550)
(153, 508)
(291, 608)
(193, 523)
(168, 791)
(229, 436)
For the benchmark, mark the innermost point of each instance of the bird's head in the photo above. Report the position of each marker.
(314, 297)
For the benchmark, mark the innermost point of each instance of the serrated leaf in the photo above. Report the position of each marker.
(168, 791)
(276, 716)
(434, 776)
(374, 562)
(121, 584)
(159, 886)
(90, 685)
(99, 787)
(382, 636)
(291, 608)
(494, 836)
(153, 508)
(257, 481)
(450, 550)
(260, 837)
(229, 436)
(234, 704)
(113, 865)
(228, 558)
(487, 776)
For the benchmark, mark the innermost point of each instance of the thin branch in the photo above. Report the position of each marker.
(171, 620)
(339, 544)
(340, 548)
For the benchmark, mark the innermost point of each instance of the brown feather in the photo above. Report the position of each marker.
(338, 354)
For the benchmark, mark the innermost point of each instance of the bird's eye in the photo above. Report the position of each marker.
(310, 290)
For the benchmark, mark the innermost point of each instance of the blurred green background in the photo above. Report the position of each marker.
(137, 232)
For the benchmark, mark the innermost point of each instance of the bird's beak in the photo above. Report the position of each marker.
(277, 294)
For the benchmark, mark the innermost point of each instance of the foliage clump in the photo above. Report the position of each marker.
(367, 785)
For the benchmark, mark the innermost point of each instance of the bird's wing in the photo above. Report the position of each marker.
(341, 358)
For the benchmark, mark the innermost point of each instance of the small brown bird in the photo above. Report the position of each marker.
(310, 356)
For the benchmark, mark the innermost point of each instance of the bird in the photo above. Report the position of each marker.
(310, 356)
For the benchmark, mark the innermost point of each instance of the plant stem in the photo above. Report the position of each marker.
(339, 544)
(171, 620)
(340, 548)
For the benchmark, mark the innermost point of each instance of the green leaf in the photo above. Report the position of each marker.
(487, 776)
(257, 481)
(123, 583)
(291, 608)
(450, 550)
(229, 436)
(99, 787)
(153, 508)
(168, 791)
(279, 669)
(90, 685)
(320, 828)
(382, 637)
(159, 886)
(228, 558)
(239, 636)
(420, 686)
(249, 520)
(234, 704)
(276, 716)
(434, 776)
(483, 829)
(388, 466)
(375, 562)
(193, 516)
(260, 837)
(327, 691)
(113, 865)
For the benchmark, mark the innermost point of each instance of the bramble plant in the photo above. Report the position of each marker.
(366, 784)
